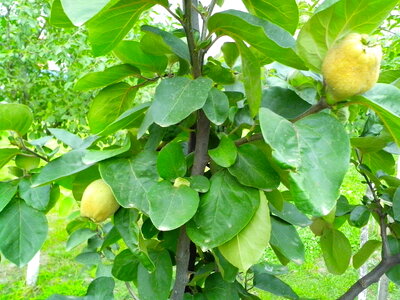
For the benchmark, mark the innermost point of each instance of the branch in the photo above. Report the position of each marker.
(131, 292)
(321, 105)
(373, 276)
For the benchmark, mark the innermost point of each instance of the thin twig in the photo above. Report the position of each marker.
(131, 292)
(23, 147)
(174, 15)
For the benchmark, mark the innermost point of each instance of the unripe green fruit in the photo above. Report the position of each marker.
(98, 202)
(27, 162)
(351, 67)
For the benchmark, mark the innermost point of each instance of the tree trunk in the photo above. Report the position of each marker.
(32, 271)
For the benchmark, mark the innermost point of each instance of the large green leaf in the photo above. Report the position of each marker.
(249, 245)
(216, 107)
(394, 273)
(396, 204)
(332, 23)
(223, 212)
(37, 197)
(58, 17)
(291, 214)
(281, 135)
(365, 252)
(336, 250)
(7, 192)
(284, 102)
(74, 162)
(70, 139)
(131, 179)
(157, 284)
(251, 75)
(109, 76)
(130, 118)
(286, 240)
(125, 266)
(252, 168)
(266, 37)
(216, 288)
(170, 206)
(131, 52)
(225, 154)
(23, 231)
(281, 12)
(82, 11)
(171, 162)
(109, 104)
(384, 100)
(6, 154)
(109, 27)
(274, 285)
(176, 98)
(15, 117)
(324, 159)
(175, 44)
(78, 237)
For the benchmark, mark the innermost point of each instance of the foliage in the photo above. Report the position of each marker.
(215, 159)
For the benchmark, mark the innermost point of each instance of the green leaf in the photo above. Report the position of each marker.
(216, 107)
(78, 237)
(285, 238)
(200, 183)
(171, 162)
(252, 168)
(251, 73)
(109, 27)
(225, 154)
(367, 144)
(82, 11)
(365, 252)
(320, 162)
(23, 231)
(125, 266)
(88, 258)
(284, 102)
(291, 214)
(176, 98)
(216, 288)
(281, 135)
(249, 245)
(37, 197)
(266, 37)
(230, 52)
(331, 23)
(74, 162)
(380, 161)
(156, 285)
(107, 77)
(68, 138)
(101, 289)
(390, 77)
(383, 99)
(274, 285)
(58, 17)
(6, 154)
(396, 204)
(223, 212)
(130, 52)
(228, 271)
(131, 179)
(110, 103)
(129, 119)
(7, 192)
(336, 250)
(359, 216)
(15, 117)
(170, 206)
(394, 273)
(175, 44)
(280, 12)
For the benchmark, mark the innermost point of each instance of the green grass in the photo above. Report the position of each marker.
(61, 274)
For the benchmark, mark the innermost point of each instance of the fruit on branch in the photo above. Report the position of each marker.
(27, 162)
(98, 202)
(351, 67)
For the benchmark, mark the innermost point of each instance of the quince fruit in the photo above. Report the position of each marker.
(98, 202)
(351, 67)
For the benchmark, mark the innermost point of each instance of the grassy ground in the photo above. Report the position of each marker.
(61, 274)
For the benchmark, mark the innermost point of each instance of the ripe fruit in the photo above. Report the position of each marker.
(27, 162)
(351, 67)
(98, 201)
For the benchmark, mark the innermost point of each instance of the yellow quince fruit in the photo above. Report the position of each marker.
(351, 67)
(98, 202)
